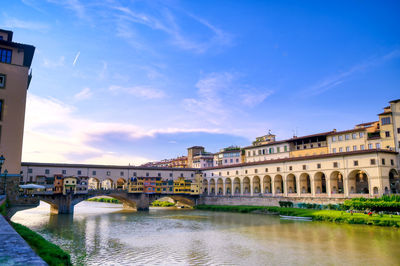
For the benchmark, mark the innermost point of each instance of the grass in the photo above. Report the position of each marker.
(316, 215)
(158, 203)
(49, 252)
(107, 200)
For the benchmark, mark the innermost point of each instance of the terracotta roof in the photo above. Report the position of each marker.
(312, 157)
(385, 113)
(395, 101)
(366, 124)
(347, 131)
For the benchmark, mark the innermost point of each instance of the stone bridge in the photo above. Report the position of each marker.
(64, 204)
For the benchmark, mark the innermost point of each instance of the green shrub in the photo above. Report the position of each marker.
(158, 203)
(49, 252)
(286, 204)
(106, 200)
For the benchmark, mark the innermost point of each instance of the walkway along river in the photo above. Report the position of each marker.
(102, 234)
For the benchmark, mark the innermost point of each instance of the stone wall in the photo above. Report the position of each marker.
(265, 201)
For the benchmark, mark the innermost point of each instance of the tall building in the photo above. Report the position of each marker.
(15, 76)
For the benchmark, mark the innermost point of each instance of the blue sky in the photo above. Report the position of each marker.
(129, 81)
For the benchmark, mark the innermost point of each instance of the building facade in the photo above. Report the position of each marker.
(228, 156)
(15, 76)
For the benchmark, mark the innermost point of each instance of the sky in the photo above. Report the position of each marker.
(126, 82)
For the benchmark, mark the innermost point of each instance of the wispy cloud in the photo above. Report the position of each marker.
(75, 5)
(15, 23)
(254, 99)
(84, 94)
(55, 132)
(337, 79)
(144, 92)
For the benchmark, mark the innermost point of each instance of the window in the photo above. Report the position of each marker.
(290, 168)
(231, 160)
(333, 138)
(362, 147)
(385, 120)
(219, 173)
(340, 138)
(355, 163)
(347, 136)
(122, 173)
(304, 167)
(361, 134)
(391, 162)
(354, 148)
(347, 148)
(181, 174)
(334, 150)
(47, 171)
(387, 134)
(318, 165)
(79, 172)
(278, 149)
(372, 161)
(64, 172)
(2, 80)
(212, 174)
(354, 135)
(255, 171)
(249, 154)
(370, 146)
(266, 170)
(237, 160)
(1, 109)
(147, 174)
(285, 148)
(5, 55)
(398, 130)
(383, 161)
(340, 149)
(378, 145)
(335, 165)
(245, 171)
(93, 172)
(278, 169)
(227, 173)
(237, 172)
(226, 161)
(158, 174)
(108, 173)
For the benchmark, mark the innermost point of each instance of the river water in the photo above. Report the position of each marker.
(102, 234)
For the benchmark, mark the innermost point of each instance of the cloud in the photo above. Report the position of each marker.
(337, 79)
(252, 100)
(83, 94)
(54, 132)
(74, 5)
(15, 23)
(54, 63)
(143, 92)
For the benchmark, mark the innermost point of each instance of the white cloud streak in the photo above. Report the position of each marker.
(76, 58)
(84, 94)
(15, 23)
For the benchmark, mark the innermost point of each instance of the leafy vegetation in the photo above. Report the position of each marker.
(49, 252)
(158, 203)
(107, 200)
(383, 204)
(317, 215)
(288, 204)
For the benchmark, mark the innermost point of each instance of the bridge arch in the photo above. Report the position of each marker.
(94, 183)
(394, 181)
(107, 183)
(177, 199)
(121, 183)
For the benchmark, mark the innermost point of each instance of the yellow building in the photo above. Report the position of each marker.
(69, 185)
(182, 186)
(196, 187)
(135, 185)
(15, 63)
(309, 145)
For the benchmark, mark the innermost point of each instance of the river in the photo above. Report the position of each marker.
(103, 234)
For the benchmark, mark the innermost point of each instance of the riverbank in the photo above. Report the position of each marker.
(316, 215)
(49, 252)
(106, 200)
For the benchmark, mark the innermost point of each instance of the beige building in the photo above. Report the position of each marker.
(15, 76)
(349, 174)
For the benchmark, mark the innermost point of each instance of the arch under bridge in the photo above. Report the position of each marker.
(64, 204)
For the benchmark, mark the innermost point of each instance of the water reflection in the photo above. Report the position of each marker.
(99, 233)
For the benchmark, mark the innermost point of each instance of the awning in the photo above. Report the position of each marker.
(31, 186)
